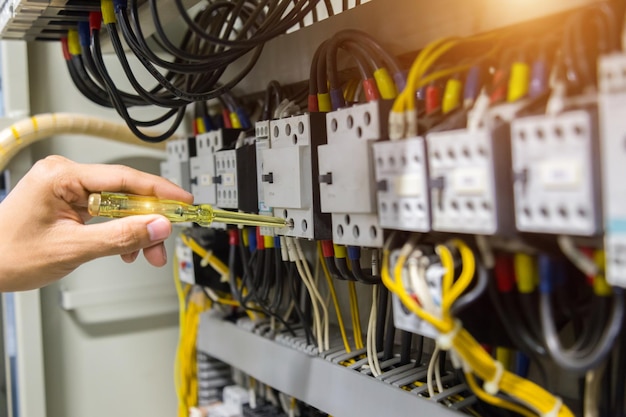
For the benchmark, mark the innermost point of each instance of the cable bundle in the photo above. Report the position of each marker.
(374, 64)
(217, 36)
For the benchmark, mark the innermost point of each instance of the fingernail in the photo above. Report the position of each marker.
(159, 229)
(164, 253)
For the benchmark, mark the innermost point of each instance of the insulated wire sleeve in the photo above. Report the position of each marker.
(30, 130)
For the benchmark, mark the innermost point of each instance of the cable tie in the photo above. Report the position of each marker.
(493, 386)
(446, 340)
(204, 262)
(555, 410)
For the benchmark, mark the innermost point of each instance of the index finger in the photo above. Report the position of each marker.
(119, 178)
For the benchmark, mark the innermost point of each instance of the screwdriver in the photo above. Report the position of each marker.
(122, 205)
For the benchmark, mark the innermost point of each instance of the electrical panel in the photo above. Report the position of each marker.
(289, 171)
(262, 132)
(235, 176)
(202, 166)
(348, 190)
(226, 178)
(402, 185)
(176, 167)
(488, 156)
(470, 180)
(556, 170)
(612, 105)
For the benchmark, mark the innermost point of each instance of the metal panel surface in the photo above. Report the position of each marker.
(309, 378)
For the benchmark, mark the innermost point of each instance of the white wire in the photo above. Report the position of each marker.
(372, 354)
(429, 372)
(317, 322)
(592, 391)
(315, 295)
(438, 374)
(417, 277)
(579, 259)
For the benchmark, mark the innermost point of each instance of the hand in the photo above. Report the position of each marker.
(43, 235)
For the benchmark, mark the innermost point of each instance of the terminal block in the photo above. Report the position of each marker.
(176, 166)
(347, 179)
(202, 166)
(289, 171)
(402, 185)
(556, 169)
(262, 131)
(470, 179)
(612, 107)
(235, 177)
(406, 320)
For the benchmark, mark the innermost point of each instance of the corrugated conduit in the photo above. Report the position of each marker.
(27, 131)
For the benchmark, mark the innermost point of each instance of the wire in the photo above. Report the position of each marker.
(473, 357)
(333, 295)
(576, 361)
(316, 297)
(372, 353)
(356, 316)
(430, 372)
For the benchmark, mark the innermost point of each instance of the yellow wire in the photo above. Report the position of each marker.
(333, 295)
(356, 316)
(465, 279)
(426, 59)
(402, 102)
(467, 348)
(211, 259)
(498, 402)
(181, 321)
(219, 266)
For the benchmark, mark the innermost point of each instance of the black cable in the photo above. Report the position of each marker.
(420, 351)
(315, 64)
(360, 276)
(592, 356)
(279, 281)
(342, 267)
(189, 96)
(119, 105)
(390, 335)
(329, 8)
(381, 317)
(237, 292)
(80, 85)
(268, 275)
(292, 283)
(297, 13)
(606, 390)
(519, 335)
(619, 388)
(332, 269)
(273, 97)
(406, 340)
